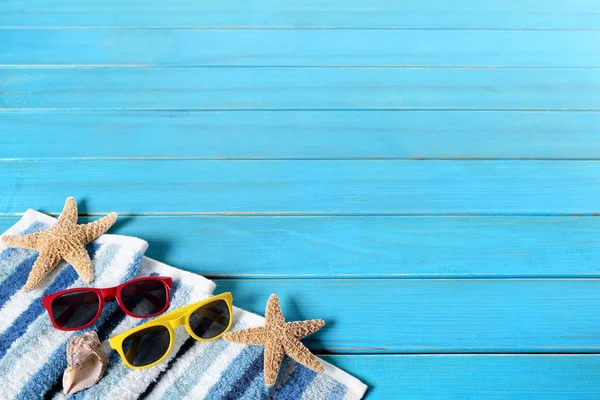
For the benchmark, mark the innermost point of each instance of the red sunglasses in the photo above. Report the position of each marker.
(78, 308)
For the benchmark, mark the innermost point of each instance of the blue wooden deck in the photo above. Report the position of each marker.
(421, 174)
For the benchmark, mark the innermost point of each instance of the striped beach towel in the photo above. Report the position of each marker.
(32, 351)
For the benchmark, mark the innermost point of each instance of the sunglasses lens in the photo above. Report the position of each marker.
(210, 320)
(75, 309)
(144, 298)
(147, 346)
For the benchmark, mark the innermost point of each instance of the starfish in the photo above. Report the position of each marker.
(65, 240)
(280, 338)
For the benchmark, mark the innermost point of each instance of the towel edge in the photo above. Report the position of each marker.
(353, 384)
(152, 265)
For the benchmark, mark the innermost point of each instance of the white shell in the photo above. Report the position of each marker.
(85, 363)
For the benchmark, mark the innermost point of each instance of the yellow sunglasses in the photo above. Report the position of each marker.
(150, 343)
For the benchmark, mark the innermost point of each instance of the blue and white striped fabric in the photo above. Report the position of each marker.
(32, 352)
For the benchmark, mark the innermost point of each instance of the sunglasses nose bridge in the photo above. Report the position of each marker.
(174, 323)
(108, 293)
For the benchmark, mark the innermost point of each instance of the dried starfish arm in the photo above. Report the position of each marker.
(69, 214)
(30, 241)
(93, 230)
(80, 260)
(273, 314)
(273, 357)
(298, 352)
(300, 329)
(248, 336)
(44, 264)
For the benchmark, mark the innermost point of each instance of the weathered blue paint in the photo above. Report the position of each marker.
(459, 377)
(306, 147)
(358, 247)
(303, 48)
(436, 315)
(301, 134)
(325, 187)
(298, 88)
(406, 14)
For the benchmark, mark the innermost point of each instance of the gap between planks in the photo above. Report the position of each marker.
(301, 27)
(258, 158)
(333, 66)
(129, 109)
(324, 110)
(292, 214)
(382, 277)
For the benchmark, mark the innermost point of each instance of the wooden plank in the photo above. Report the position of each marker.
(460, 377)
(300, 88)
(374, 247)
(300, 134)
(300, 187)
(435, 315)
(466, 14)
(304, 47)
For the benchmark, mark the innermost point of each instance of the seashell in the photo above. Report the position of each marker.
(85, 363)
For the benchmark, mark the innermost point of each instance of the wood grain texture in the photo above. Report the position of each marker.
(300, 134)
(434, 14)
(278, 146)
(300, 88)
(323, 187)
(435, 315)
(369, 247)
(305, 47)
(474, 377)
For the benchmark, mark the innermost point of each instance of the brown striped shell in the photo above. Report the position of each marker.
(85, 363)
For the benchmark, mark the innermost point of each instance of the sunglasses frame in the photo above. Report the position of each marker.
(171, 320)
(107, 294)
